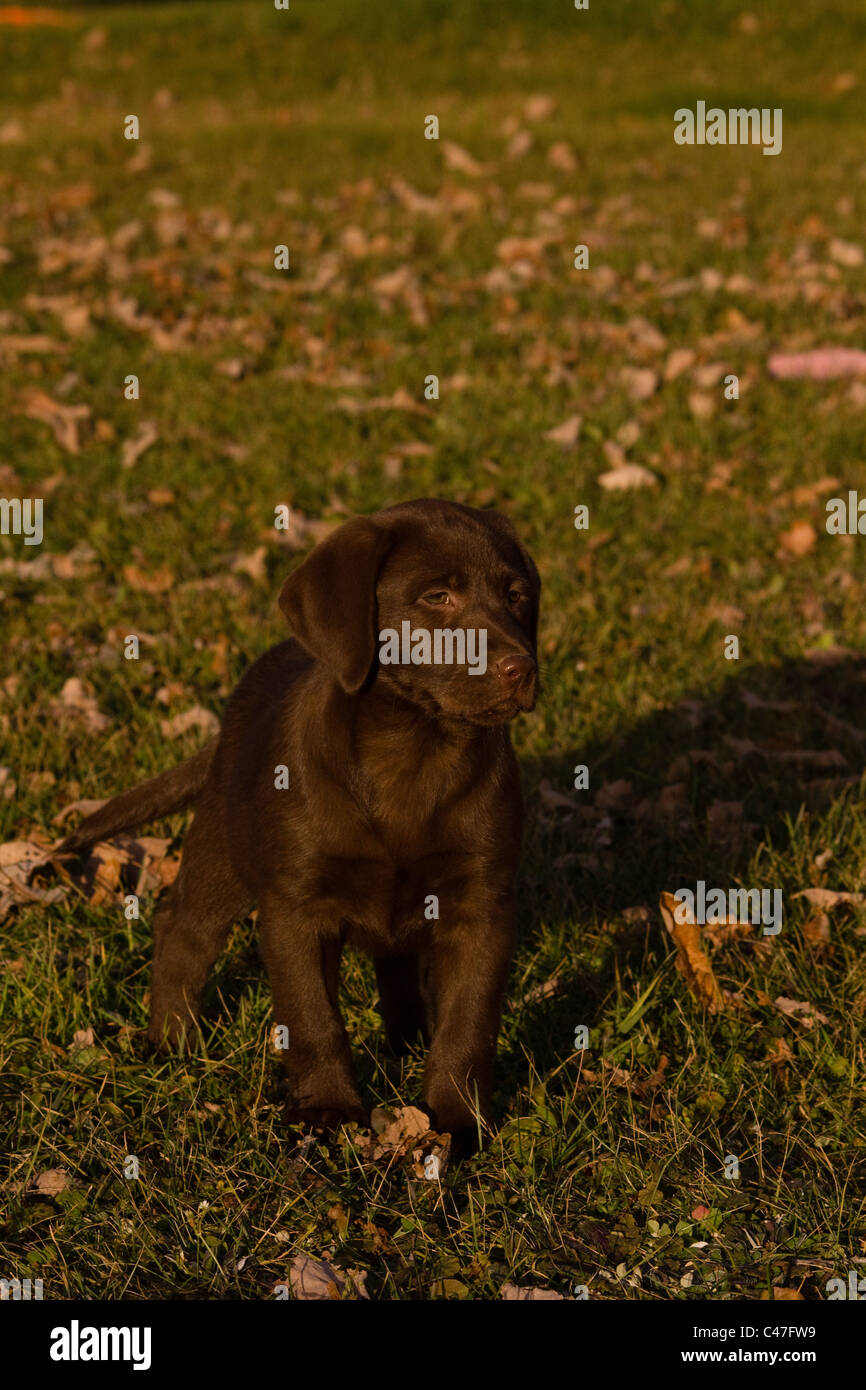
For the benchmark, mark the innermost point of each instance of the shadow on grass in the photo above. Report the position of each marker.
(695, 791)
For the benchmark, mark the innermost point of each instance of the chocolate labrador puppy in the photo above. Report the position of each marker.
(363, 790)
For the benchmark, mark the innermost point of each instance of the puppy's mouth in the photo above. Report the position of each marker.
(500, 707)
(500, 711)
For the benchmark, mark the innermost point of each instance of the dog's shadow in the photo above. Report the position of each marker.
(687, 793)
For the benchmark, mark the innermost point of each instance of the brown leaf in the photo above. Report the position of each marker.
(567, 433)
(62, 420)
(13, 343)
(552, 800)
(52, 1181)
(19, 859)
(523, 1293)
(615, 796)
(828, 897)
(78, 703)
(400, 400)
(317, 1280)
(679, 360)
(821, 364)
(146, 435)
(253, 565)
(462, 161)
(72, 313)
(627, 476)
(561, 156)
(803, 1012)
(149, 582)
(800, 539)
(520, 248)
(84, 806)
(638, 382)
(692, 961)
(397, 1130)
(779, 1055)
(817, 929)
(195, 718)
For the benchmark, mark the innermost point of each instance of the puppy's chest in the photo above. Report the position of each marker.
(401, 872)
(394, 906)
(409, 802)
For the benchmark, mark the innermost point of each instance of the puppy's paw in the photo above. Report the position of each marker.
(467, 1137)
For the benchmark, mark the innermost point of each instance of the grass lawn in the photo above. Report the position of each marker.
(453, 257)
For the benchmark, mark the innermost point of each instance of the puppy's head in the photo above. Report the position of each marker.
(434, 600)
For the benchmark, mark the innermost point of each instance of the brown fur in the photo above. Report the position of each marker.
(403, 784)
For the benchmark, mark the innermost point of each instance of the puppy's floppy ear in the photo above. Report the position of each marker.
(330, 600)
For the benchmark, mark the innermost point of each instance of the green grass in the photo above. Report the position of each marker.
(291, 127)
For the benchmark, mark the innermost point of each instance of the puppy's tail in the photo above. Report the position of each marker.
(171, 791)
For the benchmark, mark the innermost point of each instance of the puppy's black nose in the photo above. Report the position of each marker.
(517, 669)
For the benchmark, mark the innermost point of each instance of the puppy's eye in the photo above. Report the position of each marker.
(516, 595)
(439, 598)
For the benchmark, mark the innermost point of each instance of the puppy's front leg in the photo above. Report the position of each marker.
(470, 965)
(302, 959)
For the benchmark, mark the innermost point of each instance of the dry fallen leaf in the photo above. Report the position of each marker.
(522, 1293)
(846, 253)
(803, 1012)
(628, 475)
(821, 364)
(77, 702)
(679, 360)
(72, 313)
(462, 161)
(400, 400)
(195, 718)
(567, 433)
(253, 565)
(14, 343)
(316, 1280)
(52, 1181)
(146, 435)
(149, 581)
(692, 961)
(552, 800)
(18, 860)
(84, 807)
(800, 539)
(638, 382)
(62, 420)
(828, 897)
(817, 930)
(397, 1130)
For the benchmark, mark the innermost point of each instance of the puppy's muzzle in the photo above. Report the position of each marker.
(517, 673)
